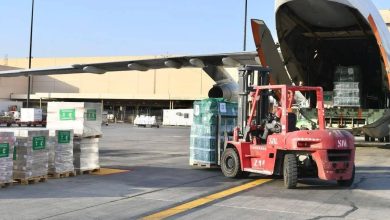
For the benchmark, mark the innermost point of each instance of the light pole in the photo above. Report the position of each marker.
(245, 22)
(29, 57)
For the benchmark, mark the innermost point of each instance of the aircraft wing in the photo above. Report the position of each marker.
(202, 61)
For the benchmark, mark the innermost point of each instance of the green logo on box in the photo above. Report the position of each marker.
(39, 143)
(91, 114)
(63, 137)
(67, 114)
(4, 150)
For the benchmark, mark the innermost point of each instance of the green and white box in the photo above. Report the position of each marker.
(31, 152)
(61, 151)
(84, 118)
(7, 142)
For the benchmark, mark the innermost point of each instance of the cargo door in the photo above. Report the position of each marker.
(268, 53)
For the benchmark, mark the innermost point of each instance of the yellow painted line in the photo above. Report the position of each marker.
(204, 200)
(108, 171)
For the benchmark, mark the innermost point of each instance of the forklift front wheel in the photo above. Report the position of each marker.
(290, 171)
(231, 166)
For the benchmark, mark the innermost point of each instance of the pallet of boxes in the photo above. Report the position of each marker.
(61, 153)
(85, 120)
(346, 92)
(213, 122)
(7, 142)
(29, 154)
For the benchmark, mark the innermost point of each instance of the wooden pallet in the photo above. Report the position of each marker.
(84, 172)
(62, 175)
(32, 180)
(204, 165)
(5, 185)
(81, 137)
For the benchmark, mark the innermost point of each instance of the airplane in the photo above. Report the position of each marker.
(314, 36)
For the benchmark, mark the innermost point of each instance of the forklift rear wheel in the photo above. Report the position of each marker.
(230, 165)
(290, 171)
(347, 183)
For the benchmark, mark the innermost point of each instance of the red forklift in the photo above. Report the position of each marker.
(290, 152)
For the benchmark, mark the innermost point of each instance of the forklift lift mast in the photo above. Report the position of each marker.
(291, 153)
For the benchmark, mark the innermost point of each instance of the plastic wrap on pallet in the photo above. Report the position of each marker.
(346, 101)
(7, 142)
(86, 153)
(346, 93)
(61, 151)
(30, 155)
(215, 106)
(347, 74)
(83, 117)
(346, 85)
(203, 141)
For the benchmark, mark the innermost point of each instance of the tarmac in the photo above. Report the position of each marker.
(156, 180)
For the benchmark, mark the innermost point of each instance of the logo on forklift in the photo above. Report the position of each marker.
(259, 163)
(342, 143)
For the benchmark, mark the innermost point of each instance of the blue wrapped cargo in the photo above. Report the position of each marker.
(213, 118)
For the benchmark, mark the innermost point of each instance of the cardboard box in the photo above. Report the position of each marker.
(83, 117)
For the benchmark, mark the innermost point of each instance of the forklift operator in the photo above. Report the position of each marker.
(273, 121)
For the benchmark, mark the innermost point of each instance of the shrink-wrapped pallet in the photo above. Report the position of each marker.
(61, 151)
(7, 142)
(203, 140)
(346, 87)
(86, 153)
(83, 117)
(31, 152)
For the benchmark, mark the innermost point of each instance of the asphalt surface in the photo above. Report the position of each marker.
(159, 178)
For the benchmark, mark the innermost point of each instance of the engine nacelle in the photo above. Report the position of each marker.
(228, 91)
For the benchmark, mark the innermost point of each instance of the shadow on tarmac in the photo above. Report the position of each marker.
(140, 179)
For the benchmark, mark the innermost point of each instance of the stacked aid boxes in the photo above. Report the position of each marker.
(7, 142)
(204, 137)
(86, 153)
(85, 119)
(31, 153)
(61, 151)
(346, 90)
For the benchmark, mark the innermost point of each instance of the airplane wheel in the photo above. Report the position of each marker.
(347, 183)
(387, 138)
(290, 171)
(230, 164)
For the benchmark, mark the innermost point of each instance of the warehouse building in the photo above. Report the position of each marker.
(386, 17)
